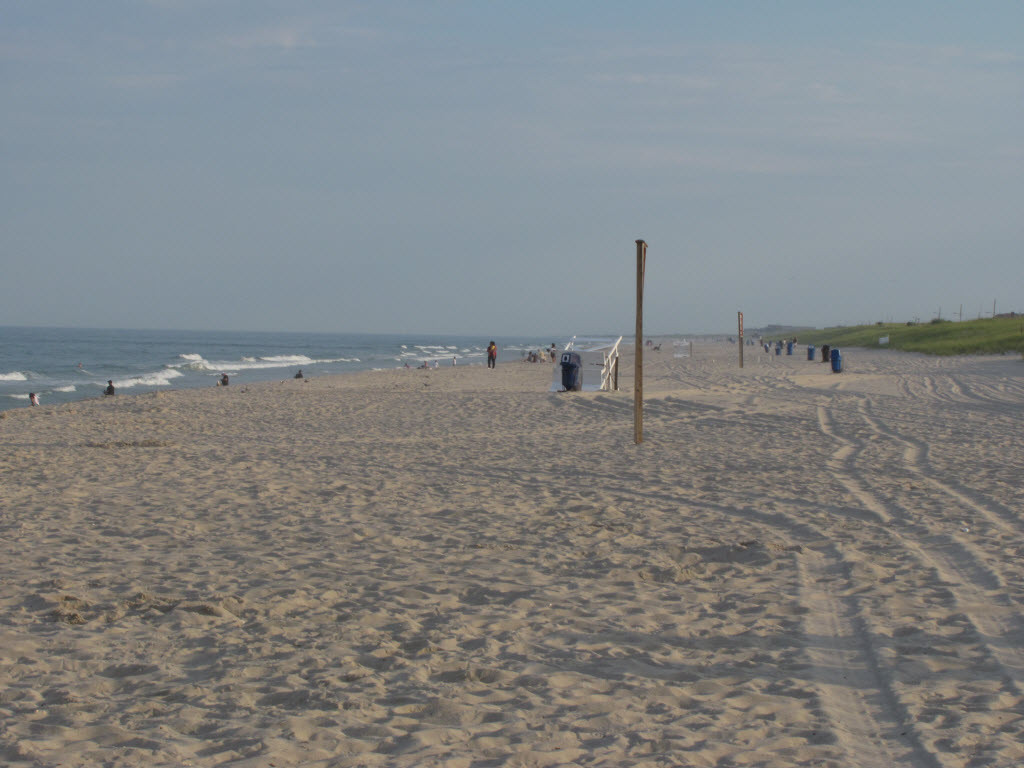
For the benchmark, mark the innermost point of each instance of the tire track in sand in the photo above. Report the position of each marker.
(977, 592)
(915, 461)
(854, 688)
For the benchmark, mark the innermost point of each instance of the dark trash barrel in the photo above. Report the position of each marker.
(824, 353)
(789, 347)
(572, 372)
(810, 352)
(837, 361)
(778, 348)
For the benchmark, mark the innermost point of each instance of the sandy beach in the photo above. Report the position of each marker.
(458, 568)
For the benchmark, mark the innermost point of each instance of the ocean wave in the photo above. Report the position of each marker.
(68, 388)
(198, 363)
(155, 379)
(13, 376)
(439, 352)
(192, 362)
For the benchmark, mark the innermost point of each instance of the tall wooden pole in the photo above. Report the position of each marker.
(638, 377)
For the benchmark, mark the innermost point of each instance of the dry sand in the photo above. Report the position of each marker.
(458, 568)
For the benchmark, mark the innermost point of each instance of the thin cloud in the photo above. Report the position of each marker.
(145, 82)
(283, 37)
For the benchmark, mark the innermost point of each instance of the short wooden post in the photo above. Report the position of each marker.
(740, 319)
(638, 377)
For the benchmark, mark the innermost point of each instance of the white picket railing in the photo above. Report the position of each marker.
(588, 347)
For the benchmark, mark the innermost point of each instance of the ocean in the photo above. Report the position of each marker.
(61, 365)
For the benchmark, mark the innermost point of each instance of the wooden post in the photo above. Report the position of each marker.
(740, 317)
(638, 377)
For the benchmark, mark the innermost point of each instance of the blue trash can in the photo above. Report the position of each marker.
(810, 352)
(778, 348)
(789, 347)
(572, 372)
(837, 361)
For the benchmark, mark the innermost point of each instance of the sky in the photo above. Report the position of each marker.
(468, 166)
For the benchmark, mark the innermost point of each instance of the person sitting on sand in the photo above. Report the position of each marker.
(223, 379)
(33, 398)
(110, 387)
(299, 374)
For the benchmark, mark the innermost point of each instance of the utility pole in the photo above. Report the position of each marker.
(638, 376)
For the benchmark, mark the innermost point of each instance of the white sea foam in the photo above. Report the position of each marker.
(155, 379)
(13, 376)
(275, 361)
(68, 388)
(198, 363)
(193, 362)
(432, 352)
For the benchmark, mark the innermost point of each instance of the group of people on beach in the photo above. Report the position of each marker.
(534, 356)
(541, 356)
(33, 398)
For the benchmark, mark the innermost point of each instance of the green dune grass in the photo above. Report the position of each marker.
(973, 337)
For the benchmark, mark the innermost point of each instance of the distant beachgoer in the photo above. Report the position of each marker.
(492, 355)
(110, 387)
(553, 352)
(425, 366)
(453, 360)
(299, 374)
(223, 379)
(33, 398)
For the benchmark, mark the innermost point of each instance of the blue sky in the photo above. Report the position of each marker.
(463, 167)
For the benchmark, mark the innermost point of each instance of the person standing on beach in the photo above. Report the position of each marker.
(110, 387)
(33, 398)
(492, 355)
